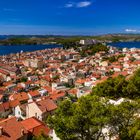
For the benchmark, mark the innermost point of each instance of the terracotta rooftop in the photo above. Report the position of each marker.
(34, 126)
(57, 96)
(46, 105)
(11, 129)
(20, 96)
(34, 93)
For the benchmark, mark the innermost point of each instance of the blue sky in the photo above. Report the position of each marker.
(69, 17)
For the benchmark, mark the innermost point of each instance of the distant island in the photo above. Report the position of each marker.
(50, 39)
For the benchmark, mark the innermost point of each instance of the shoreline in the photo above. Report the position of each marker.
(7, 50)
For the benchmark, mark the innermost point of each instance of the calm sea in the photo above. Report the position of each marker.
(126, 44)
(4, 50)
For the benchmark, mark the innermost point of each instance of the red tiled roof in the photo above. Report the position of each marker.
(73, 91)
(80, 81)
(1, 108)
(34, 93)
(7, 83)
(2, 88)
(37, 130)
(28, 82)
(118, 66)
(11, 129)
(49, 89)
(7, 105)
(57, 96)
(124, 73)
(35, 126)
(30, 123)
(4, 72)
(137, 62)
(46, 105)
(14, 103)
(1, 96)
(21, 96)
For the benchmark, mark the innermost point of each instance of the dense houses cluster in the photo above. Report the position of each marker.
(33, 83)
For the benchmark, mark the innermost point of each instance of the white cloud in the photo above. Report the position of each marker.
(132, 30)
(83, 4)
(78, 4)
(69, 5)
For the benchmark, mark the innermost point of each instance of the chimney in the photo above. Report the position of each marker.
(1, 131)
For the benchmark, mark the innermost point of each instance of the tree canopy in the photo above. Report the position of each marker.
(118, 87)
(90, 115)
(42, 136)
(92, 49)
(85, 119)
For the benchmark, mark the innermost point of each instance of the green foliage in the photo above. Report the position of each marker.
(109, 73)
(124, 121)
(113, 58)
(66, 41)
(73, 98)
(115, 40)
(42, 136)
(18, 41)
(92, 49)
(133, 87)
(68, 45)
(132, 59)
(24, 79)
(55, 77)
(118, 87)
(134, 130)
(85, 119)
(68, 85)
(112, 88)
(78, 121)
